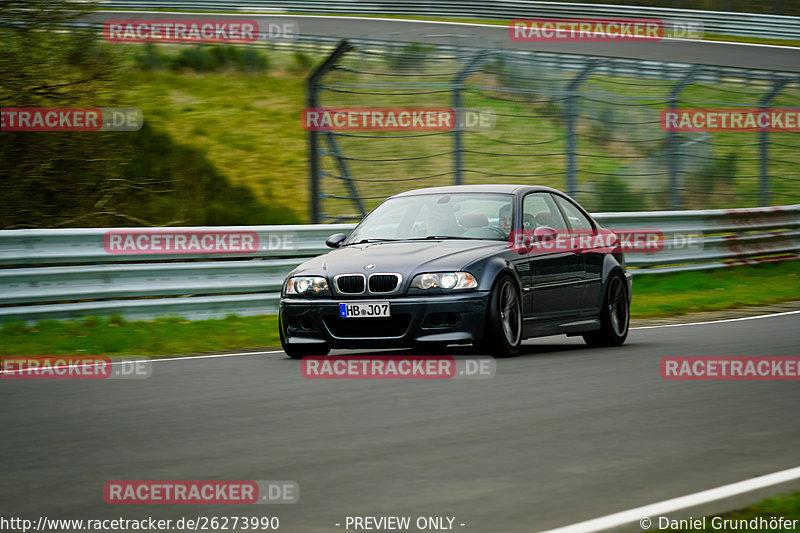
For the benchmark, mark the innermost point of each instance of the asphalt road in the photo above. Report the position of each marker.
(561, 434)
(491, 36)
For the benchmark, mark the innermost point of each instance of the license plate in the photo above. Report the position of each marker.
(364, 310)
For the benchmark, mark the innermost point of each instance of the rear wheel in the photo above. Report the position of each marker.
(502, 335)
(298, 352)
(614, 315)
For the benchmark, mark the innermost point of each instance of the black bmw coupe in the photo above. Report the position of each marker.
(487, 265)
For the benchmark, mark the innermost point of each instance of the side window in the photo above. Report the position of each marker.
(577, 220)
(539, 209)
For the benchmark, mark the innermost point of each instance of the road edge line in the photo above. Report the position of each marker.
(674, 504)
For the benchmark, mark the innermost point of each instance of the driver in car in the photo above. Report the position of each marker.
(504, 218)
(441, 223)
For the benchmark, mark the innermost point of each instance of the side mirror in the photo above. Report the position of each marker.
(335, 240)
(544, 233)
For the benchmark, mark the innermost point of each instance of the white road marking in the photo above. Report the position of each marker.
(719, 321)
(668, 506)
(154, 359)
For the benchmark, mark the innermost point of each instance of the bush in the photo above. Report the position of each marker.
(215, 58)
(613, 194)
(154, 179)
(410, 57)
(149, 58)
(15, 328)
(720, 173)
(301, 62)
(195, 58)
(251, 60)
(90, 321)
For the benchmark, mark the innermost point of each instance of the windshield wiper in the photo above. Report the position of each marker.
(445, 237)
(428, 238)
(367, 241)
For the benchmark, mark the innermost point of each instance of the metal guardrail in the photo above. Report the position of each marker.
(72, 273)
(720, 22)
(712, 238)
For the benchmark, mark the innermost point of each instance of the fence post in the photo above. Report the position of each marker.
(348, 180)
(458, 104)
(672, 139)
(571, 113)
(312, 100)
(776, 88)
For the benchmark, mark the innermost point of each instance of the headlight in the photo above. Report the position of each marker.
(305, 285)
(444, 280)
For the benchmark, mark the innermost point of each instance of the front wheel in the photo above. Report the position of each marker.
(614, 315)
(502, 335)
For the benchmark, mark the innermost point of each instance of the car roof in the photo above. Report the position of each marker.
(505, 188)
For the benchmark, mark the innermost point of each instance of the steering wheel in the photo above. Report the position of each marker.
(498, 231)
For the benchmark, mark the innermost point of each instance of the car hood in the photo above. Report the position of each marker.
(405, 258)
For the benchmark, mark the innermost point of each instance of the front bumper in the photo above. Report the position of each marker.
(414, 321)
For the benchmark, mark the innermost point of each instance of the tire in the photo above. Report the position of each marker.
(502, 334)
(614, 318)
(298, 352)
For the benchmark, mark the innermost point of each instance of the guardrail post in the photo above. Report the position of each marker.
(672, 140)
(312, 100)
(458, 104)
(571, 115)
(776, 88)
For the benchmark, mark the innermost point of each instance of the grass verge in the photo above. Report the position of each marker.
(114, 336)
(658, 295)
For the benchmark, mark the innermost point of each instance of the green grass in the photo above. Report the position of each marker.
(785, 506)
(248, 127)
(114, 336)
(657, 295)
(711, 290)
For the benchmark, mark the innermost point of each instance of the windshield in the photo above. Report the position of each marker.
(430, 216)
